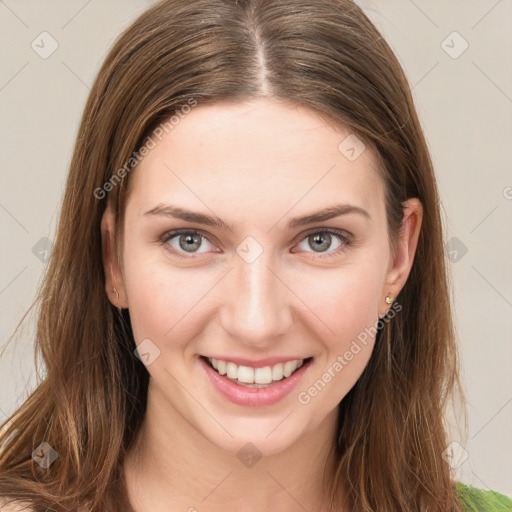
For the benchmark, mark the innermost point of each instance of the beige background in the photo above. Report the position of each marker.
(464, 99)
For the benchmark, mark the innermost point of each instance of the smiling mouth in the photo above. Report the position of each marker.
(255, 377)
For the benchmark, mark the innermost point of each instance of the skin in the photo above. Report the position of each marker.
(255, 165)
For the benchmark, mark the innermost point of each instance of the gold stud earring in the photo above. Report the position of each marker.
(389, 300)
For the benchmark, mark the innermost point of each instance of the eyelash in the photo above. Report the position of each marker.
(345, 237)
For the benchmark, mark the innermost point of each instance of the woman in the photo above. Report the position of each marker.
(246, 306)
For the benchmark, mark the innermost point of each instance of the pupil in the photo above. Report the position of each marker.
(320, 237)
(190, 240)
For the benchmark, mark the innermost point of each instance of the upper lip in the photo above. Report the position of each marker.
(260, 363)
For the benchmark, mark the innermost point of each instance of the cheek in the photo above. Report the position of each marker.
(161, 298)
(346, 305)
(344, 301)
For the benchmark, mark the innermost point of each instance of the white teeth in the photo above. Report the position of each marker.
(249, 375)
(246, 374)
(222, 367)
(232, 370)
(277, 371)
(262, 375)
(289, 368)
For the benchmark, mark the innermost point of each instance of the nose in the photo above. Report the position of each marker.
(256, 310)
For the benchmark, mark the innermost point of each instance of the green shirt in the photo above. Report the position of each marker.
(480, 500)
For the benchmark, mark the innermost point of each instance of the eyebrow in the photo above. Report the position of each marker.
(176, 212)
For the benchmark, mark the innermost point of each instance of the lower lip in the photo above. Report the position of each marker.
(254, 397)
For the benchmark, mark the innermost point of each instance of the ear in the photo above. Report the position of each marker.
(113, 275)
(400, 268)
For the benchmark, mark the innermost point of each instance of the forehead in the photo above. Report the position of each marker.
(266, 155)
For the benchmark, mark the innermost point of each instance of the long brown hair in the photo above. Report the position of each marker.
(325, 55)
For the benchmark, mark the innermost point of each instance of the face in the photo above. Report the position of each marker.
(256, 287)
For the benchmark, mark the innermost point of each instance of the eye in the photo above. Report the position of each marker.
(184, 243)
(187, 241)
(322, 240)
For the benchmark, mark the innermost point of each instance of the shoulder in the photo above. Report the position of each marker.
(8, 505)
(474, 499)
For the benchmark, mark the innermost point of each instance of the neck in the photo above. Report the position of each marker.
(172, 466)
